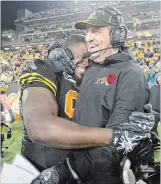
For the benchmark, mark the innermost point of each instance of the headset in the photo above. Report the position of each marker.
(118, 33)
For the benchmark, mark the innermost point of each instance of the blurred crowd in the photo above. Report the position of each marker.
(54, 12)
(50, 36)
(88, 6)
(143, 15)
(135, 22)
(53, 35)
(146, 53)
(11, 60)
(128, 17)
(74, 8)
(47, 32)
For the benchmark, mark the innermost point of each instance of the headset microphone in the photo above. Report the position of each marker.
(88, 54)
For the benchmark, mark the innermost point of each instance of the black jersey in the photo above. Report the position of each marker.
(39, 73)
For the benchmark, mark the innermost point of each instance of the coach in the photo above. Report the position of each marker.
(112, 88)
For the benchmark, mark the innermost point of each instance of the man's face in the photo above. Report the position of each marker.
(159, 79)
(78, 51)
(98, 38)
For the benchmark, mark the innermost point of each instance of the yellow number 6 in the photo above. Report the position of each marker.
(70, 96)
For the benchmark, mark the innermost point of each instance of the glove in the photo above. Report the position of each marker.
(62, 58)
(125, 141)
(126, 136)
(142, 122)
(53, 46)
(59, 174)
(48, 176)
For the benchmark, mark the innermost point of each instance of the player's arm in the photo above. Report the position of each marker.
(43, 125)
(39, 109)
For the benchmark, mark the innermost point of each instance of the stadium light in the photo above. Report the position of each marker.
(9, 36)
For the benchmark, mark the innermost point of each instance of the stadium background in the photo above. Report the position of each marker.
(34, 32)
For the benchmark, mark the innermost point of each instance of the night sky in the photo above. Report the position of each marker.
(9, 10)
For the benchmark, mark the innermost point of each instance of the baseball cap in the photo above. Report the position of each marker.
(102, 17)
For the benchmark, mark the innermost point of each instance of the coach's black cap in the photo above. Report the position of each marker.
(102, 17)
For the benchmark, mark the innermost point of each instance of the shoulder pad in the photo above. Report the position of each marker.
(30, 65)
(37, 72)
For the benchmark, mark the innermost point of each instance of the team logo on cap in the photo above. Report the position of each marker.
(100, 12)
(93, 16)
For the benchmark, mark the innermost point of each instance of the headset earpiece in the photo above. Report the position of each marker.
(118, 33)
(118, 36)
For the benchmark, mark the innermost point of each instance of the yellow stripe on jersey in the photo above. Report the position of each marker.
(34, 74)
(37, 80)
(35, 77)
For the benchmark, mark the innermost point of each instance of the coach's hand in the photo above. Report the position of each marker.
(62, 58)
(128, 135)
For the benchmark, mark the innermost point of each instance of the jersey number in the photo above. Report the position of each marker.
(70, 97)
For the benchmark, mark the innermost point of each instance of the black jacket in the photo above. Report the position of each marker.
(155, 96)
(155, 100)
(111, 91)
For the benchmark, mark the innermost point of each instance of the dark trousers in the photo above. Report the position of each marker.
(97, 165)
(93, 166)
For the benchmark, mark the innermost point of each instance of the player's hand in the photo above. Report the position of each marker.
(125, 141)
(53, 46)
(48, 176)
(62, 58)
(129, 134)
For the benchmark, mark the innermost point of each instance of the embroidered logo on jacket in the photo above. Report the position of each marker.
(102, 81)
(106, 80)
